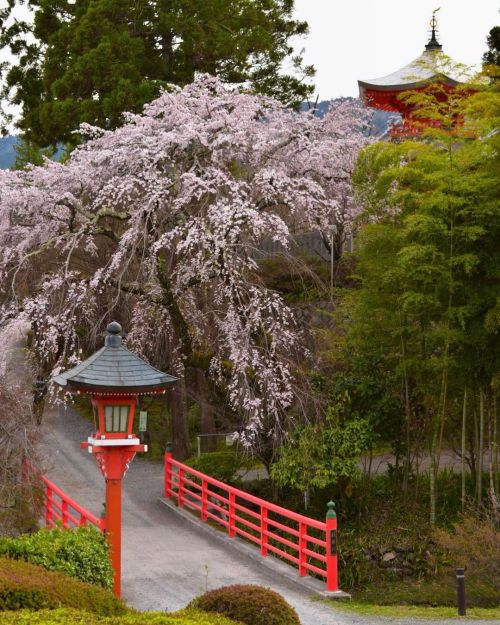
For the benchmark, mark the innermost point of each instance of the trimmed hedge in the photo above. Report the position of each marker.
(27, 586)
(78, 617)
(81, 552)
(252, 605)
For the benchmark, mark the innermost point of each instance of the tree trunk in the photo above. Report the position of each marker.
(432, 475)
(480, 451)
(407, 409)
(462, 455)
(207, 410)
(495, 443)
(178, 411)
(492, 490)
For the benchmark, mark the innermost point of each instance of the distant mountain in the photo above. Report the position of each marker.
(380, 119)
(7, 151)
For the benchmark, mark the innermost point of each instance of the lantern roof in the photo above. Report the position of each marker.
(114, 368)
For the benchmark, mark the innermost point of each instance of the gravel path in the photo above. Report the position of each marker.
(165, 561)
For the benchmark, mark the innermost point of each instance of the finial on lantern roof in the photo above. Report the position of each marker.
(113, 336)
(114, 369)
(433, 43)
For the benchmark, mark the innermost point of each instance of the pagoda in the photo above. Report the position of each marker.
(430, 68)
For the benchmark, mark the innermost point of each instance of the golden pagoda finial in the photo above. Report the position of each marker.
(433, 42)
(434, 23)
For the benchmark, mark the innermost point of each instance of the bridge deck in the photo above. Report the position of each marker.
(166, 561)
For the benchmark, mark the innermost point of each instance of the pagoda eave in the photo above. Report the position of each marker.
(417, 85)
(388, 98)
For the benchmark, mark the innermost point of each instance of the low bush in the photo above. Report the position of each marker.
(252, 605)
(472, 543)
(28, 586)
(78, 617)
(82, 553)
(222, 465)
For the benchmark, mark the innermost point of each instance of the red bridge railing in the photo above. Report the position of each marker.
(61, 507)
(306, 543)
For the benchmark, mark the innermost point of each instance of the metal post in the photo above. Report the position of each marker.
(331, 549)
(460, 573)
(198, 445)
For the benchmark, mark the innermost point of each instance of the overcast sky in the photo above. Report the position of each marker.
(351, 39)
(360, 39)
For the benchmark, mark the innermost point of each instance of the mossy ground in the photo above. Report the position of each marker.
(79, 617)
(413, 611)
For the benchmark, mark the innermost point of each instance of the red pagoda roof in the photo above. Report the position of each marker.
(432, 65)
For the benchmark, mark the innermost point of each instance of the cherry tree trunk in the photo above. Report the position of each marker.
(204, 398)
(178, 411)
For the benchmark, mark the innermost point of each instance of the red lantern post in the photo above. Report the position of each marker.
(114, 378)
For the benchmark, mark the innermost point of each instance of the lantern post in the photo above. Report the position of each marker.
(114, 377)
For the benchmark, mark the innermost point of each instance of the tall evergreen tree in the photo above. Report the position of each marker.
(492, 55)
(91, 60)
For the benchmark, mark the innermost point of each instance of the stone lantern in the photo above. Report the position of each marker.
(114, 377)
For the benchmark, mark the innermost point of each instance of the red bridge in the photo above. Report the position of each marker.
(305, 543)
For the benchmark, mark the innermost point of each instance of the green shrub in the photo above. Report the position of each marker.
(222, 465)
(252, 605)
(78, 617)
(82, 553)
(25, 585)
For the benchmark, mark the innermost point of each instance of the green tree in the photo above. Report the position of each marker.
(317, 455)
(91, 60)
(429, 267)
(492, 55)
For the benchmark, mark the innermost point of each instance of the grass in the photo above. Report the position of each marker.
(412, 611)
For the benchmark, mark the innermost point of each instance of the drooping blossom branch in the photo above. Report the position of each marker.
(155, 223)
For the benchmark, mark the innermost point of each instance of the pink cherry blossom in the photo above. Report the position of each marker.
(155, 223)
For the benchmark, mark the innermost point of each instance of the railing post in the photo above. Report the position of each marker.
(167, 489)
(232, 511)
(64, 512)
(204, 488)
(180, 487)
(263, 530)
(331, 549)
(83, 520)
(302, 546)
(48, 507)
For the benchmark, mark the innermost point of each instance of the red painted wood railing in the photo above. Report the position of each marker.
(269, 526)
(61, 507)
